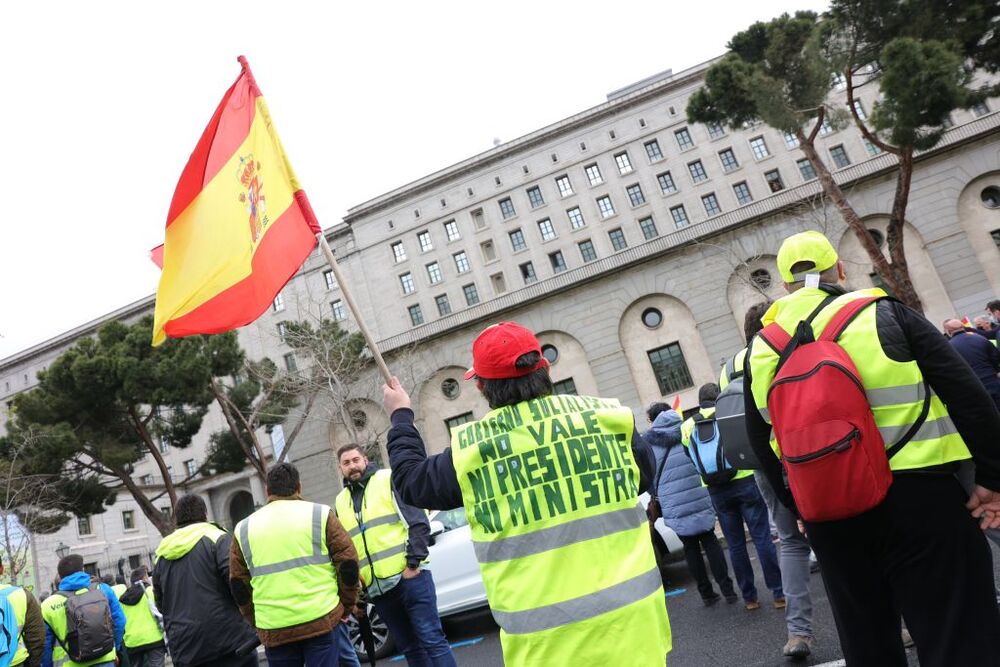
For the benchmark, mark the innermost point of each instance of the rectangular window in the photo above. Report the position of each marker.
(146, 480)
(406, 282)
(546, 229)
(444, 307)
(575, 216)
(471, 294)
(190, 468)
(711, 204)
(759, 148)
(331, 281)
(478, 219)
(528, 273)
(135, 560)
(653, 151)
(507, 209)
(594, 174)
(839, 156)
(489, 251)
(648, 228)
(498, 282)
(670, 369)
(424, 239)
(838, 81)
(566, 386)
(164, 444)
(587, 250)
(606, 207)
(398, 255)
(825, 128)
(774, 181)
(339, 312)
(416, 315)
(455, 422)
(451, 230)
(680, 216)
(461, 262)
(635, 195)
(83, 525)
(683, 137)
(697, 171)
(624, 164)
(565, 187)
(666, 182)
(995, 235)
(282, 330)
(517, 241)
(535, 197)
(290, 365)
(434, 273)
(728, 159)
(715, 130)
(278, 304)
(128, 519)
(557, 261)
(806, 169)
(871, 148)
(618, 241)
(791, 141)
(859, 107)
(742, 192)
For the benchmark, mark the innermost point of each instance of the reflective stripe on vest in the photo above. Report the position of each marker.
(380, 539)
(284, 546)
(551, 494)
(54, 615)
(141, 627)
(895, 390)
(19, 601)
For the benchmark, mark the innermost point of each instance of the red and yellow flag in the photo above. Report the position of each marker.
(239, 225)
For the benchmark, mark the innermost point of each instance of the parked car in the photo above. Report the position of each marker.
(457, 579)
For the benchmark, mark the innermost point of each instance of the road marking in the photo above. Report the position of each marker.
(466, 642)
(675, 592)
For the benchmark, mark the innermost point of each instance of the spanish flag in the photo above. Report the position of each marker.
(239, 225)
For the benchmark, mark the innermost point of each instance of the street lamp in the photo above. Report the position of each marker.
(62, 550)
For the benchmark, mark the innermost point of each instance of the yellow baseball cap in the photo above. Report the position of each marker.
(805, 247)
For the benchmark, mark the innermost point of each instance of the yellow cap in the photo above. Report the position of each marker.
(805, 247)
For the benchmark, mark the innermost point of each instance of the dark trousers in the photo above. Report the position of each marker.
(410, 612)
(919, 553)
(322, 651)
(693, 546)
(146, 657)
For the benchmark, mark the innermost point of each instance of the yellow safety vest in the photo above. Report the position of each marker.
(19, 601)
(732, 368)
(141, 627)
(895, 389)
(293, 580)
(551, 494)
(119, 589)
(54, 615)
(381, 535)
(687, 428)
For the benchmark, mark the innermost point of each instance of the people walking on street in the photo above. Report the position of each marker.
(794, 550)
(191, 591)
(392, 540)
(84, 619)
(143, 623)
(550, 486)
(294, 573)
(30, 639)
(737, 501)
(981, 355)
(872, 421)
(685, 504)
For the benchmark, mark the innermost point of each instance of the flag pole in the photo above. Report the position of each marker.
(369, 341)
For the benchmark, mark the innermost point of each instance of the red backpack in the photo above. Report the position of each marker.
(836, 461)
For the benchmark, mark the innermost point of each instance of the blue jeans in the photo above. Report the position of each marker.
(735, 503)
(348, 657)
(410, 612)
(319, 651)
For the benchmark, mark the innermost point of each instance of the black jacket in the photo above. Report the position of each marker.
(191, 590)
(420, 528)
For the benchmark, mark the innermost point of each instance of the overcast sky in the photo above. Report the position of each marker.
(104, 101)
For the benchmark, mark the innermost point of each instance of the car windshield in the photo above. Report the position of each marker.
(451, 519)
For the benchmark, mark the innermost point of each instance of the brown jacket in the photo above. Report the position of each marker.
(33, 632)
(342, 553)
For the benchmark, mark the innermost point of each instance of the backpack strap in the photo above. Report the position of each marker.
(843, 317)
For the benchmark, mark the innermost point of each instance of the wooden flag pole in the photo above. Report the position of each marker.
(369, 341)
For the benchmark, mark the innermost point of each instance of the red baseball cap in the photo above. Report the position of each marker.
(498, 347)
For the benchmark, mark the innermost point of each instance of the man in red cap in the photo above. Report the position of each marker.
(550, 486)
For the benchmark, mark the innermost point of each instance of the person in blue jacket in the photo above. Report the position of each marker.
(73, 578)
(685, 504)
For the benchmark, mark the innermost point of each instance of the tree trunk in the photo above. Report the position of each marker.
(223, 401)
(847, 212)
(905, 291)
(164, 525)
(298, 426)
(168, 483)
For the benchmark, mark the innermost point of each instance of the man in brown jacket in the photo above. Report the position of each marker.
(294, 587)
(31, 642)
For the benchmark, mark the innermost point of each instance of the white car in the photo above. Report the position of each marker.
(457, 580)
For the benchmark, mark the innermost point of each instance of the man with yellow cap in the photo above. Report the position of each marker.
(918, 551)
(550, 486)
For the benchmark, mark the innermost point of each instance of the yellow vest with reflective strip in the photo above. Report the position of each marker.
(293, 579)
(141, 627)
(381, 536)
(895, 389)
(54, 615)
(687, 428)
(19, 601)
(119, 589)
(551, 494)
(731, 367)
